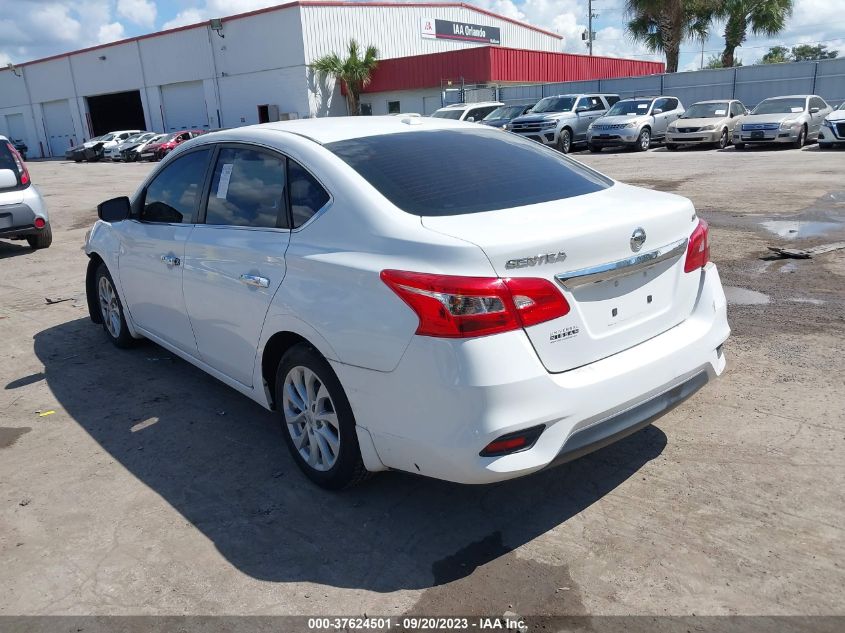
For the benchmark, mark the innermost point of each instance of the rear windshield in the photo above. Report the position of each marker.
(453, 172)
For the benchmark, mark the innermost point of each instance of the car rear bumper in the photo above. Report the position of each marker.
(448, 399)
(18, 220)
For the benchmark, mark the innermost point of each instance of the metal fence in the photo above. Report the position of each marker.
(749, 84)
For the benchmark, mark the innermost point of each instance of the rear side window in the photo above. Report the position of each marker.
(247, 189)
(453, 172)
(611, 100)
(307, 196)
(173, 194)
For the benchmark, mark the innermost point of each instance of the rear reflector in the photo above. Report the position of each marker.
(513, 442)
(698, 252)
(463, 307)
(40, 223)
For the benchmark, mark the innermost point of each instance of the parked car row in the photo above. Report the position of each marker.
(130, 146)
(596, 121)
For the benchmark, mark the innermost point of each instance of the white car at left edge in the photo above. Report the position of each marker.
(400, 308)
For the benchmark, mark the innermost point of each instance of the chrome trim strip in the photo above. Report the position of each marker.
(612, 270)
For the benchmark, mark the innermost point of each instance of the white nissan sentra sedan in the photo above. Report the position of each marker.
(402, 307)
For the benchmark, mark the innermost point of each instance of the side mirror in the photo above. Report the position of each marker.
(814, 110)
(471, 119)
(581, 109)
(8, 179)
(657, 111)
(114, 210)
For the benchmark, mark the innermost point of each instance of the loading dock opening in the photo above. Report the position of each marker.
(117, 111)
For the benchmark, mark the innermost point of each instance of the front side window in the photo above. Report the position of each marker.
(247, 189)
(592, 104)
(307, 196)
(173, 194)
(436, 172)
(737, 109)
(817, 102)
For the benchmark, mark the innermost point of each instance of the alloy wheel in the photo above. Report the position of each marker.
(645, 140)
(311, 418)
(723, 140)
(565, 141)
(109, 306)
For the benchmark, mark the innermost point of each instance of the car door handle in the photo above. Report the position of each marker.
(255, 280)
(171, 260)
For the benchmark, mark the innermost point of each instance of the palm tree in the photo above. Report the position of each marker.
(766, 17)
(663, 24)
(354, 71)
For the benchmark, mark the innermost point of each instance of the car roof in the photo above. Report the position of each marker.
(462, 106)
(331, 129)
(790, 97)
(714, 101)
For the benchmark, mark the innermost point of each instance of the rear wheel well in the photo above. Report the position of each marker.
(276, 347)
(94, 263)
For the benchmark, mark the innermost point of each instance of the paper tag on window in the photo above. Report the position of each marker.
(797, 109)
(225, 177)
(720, 113)
(642, 106)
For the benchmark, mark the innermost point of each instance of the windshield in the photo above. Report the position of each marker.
(780, 106)
(706, 111)
(554, 104)
(841, 106)
(133, 137)
(104, 139)
(634, 106)
(448, 114)
(435, 172)
(505, 112)
(146, 137)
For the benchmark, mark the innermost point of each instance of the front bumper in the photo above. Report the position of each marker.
(833, 135)
(767, 136)
(547, 136)
(448, 399)
(613, 138)
(693, 138)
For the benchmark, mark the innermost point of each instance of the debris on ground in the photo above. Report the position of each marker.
(51, 301)
(805, 253)
(42, 414)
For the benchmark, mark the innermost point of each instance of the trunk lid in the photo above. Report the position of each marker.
(583, 245)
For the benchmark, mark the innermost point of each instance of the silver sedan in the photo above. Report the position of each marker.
(705, 123)
(795, 120)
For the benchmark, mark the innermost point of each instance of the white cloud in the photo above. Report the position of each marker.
(110, 33)
(141, 12)
(55, 23)
(188, 16)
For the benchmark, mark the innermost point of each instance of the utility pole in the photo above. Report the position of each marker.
(590, 35)
(702, 54)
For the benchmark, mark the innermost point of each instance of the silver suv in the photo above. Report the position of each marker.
(634, 122)
(562, 120)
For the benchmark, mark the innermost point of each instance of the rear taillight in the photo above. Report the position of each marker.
(463, 307)
(23, 174)
(698, 251)
(40, 223)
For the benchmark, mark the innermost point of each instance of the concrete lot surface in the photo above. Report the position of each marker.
(154, 489)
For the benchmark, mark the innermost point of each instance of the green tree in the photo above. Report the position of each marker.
(663, 24)
(355, 71)
(808, 52)
(776, 55)
(715, 61)
(761, 17)
(800, 53)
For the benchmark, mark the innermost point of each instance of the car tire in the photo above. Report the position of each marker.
(739, 146)
(671, 147)
(564, 141)
(802, 138)
(111, 310)
(723, 140)
(42, 239)
(319, 426)
(643, 140)
(595, 149)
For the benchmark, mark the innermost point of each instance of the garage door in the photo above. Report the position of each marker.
(16, 127)
(184, 106)
(59, 124)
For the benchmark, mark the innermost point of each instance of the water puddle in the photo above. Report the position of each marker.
(794, 229)
(745, 297)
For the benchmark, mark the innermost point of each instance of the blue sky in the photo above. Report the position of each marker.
(30, 29)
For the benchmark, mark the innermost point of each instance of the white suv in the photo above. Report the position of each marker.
(467, 111)
(400, 308)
